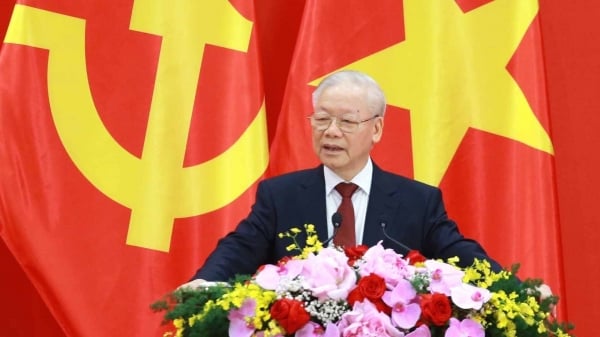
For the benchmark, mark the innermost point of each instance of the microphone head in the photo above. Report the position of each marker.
(336, 219)
(383, 222)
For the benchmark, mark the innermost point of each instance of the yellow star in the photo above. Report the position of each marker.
(450, 72)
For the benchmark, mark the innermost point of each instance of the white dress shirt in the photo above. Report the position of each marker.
(360, 198)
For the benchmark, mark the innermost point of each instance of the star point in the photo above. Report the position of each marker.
(451, 73)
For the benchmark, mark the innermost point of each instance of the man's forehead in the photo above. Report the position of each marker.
(335, 109)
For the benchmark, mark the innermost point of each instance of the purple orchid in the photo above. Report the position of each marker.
(239, 325)
(443, 276)
(405, 313)
(464, 328)
(421, 331)
(468, 296)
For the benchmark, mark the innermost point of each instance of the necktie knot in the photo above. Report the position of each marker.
(346, 236)
(346, 189)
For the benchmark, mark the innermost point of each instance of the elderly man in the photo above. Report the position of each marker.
(348, 190)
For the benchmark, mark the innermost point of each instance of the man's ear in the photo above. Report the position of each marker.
(377, 129)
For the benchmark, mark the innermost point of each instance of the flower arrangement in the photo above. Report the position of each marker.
(362, 291)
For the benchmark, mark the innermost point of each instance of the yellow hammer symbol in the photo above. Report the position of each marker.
(156, 187)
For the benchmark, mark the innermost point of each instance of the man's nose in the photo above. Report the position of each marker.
(333, 127)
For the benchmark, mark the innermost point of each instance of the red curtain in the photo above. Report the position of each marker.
(570, 48)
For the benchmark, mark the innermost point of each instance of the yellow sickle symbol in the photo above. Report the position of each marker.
(157, 188)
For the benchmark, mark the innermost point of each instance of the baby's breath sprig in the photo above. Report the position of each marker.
(420, 282)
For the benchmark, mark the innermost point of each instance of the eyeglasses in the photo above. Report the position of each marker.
(347, 123)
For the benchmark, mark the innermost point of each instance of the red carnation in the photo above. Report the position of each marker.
(435, 309)
(290, 314)
(355, 253)
(414, 257)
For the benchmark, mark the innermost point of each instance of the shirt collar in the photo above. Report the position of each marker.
(362, 179)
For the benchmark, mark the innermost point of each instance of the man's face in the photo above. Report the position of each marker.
(346, 153)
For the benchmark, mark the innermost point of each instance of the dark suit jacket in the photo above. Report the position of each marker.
(414, 214)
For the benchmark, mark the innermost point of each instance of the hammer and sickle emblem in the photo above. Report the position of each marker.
(156, 187)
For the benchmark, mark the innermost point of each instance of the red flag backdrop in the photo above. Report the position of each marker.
(130, 145)
(296, 38)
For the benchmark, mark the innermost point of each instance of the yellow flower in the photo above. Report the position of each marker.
(241, 292)
(312, 240)
(453, 260)
(527, 313)
(312, 244)
(179, 323)
(480, 318)
(273, 329)
(196, 318)
(482, 275)
(541, 328)
(471, 275)
(310, 228)
(501, 319)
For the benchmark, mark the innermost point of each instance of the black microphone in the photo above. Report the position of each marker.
(336, 220)
(383, 225)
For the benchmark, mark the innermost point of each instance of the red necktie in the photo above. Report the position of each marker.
(346, 234)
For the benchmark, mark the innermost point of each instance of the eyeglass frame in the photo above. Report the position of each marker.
(338, 120)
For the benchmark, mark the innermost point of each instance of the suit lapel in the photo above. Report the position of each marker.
(381, 207)
(313, 204)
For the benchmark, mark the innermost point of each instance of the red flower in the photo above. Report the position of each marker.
(435, 309)
(414, 257)
(290, 314)
(372, 288)
(382, 307)
(355, 253)
(283, 260)
(355, 296)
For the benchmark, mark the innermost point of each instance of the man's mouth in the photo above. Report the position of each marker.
(330, 147)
